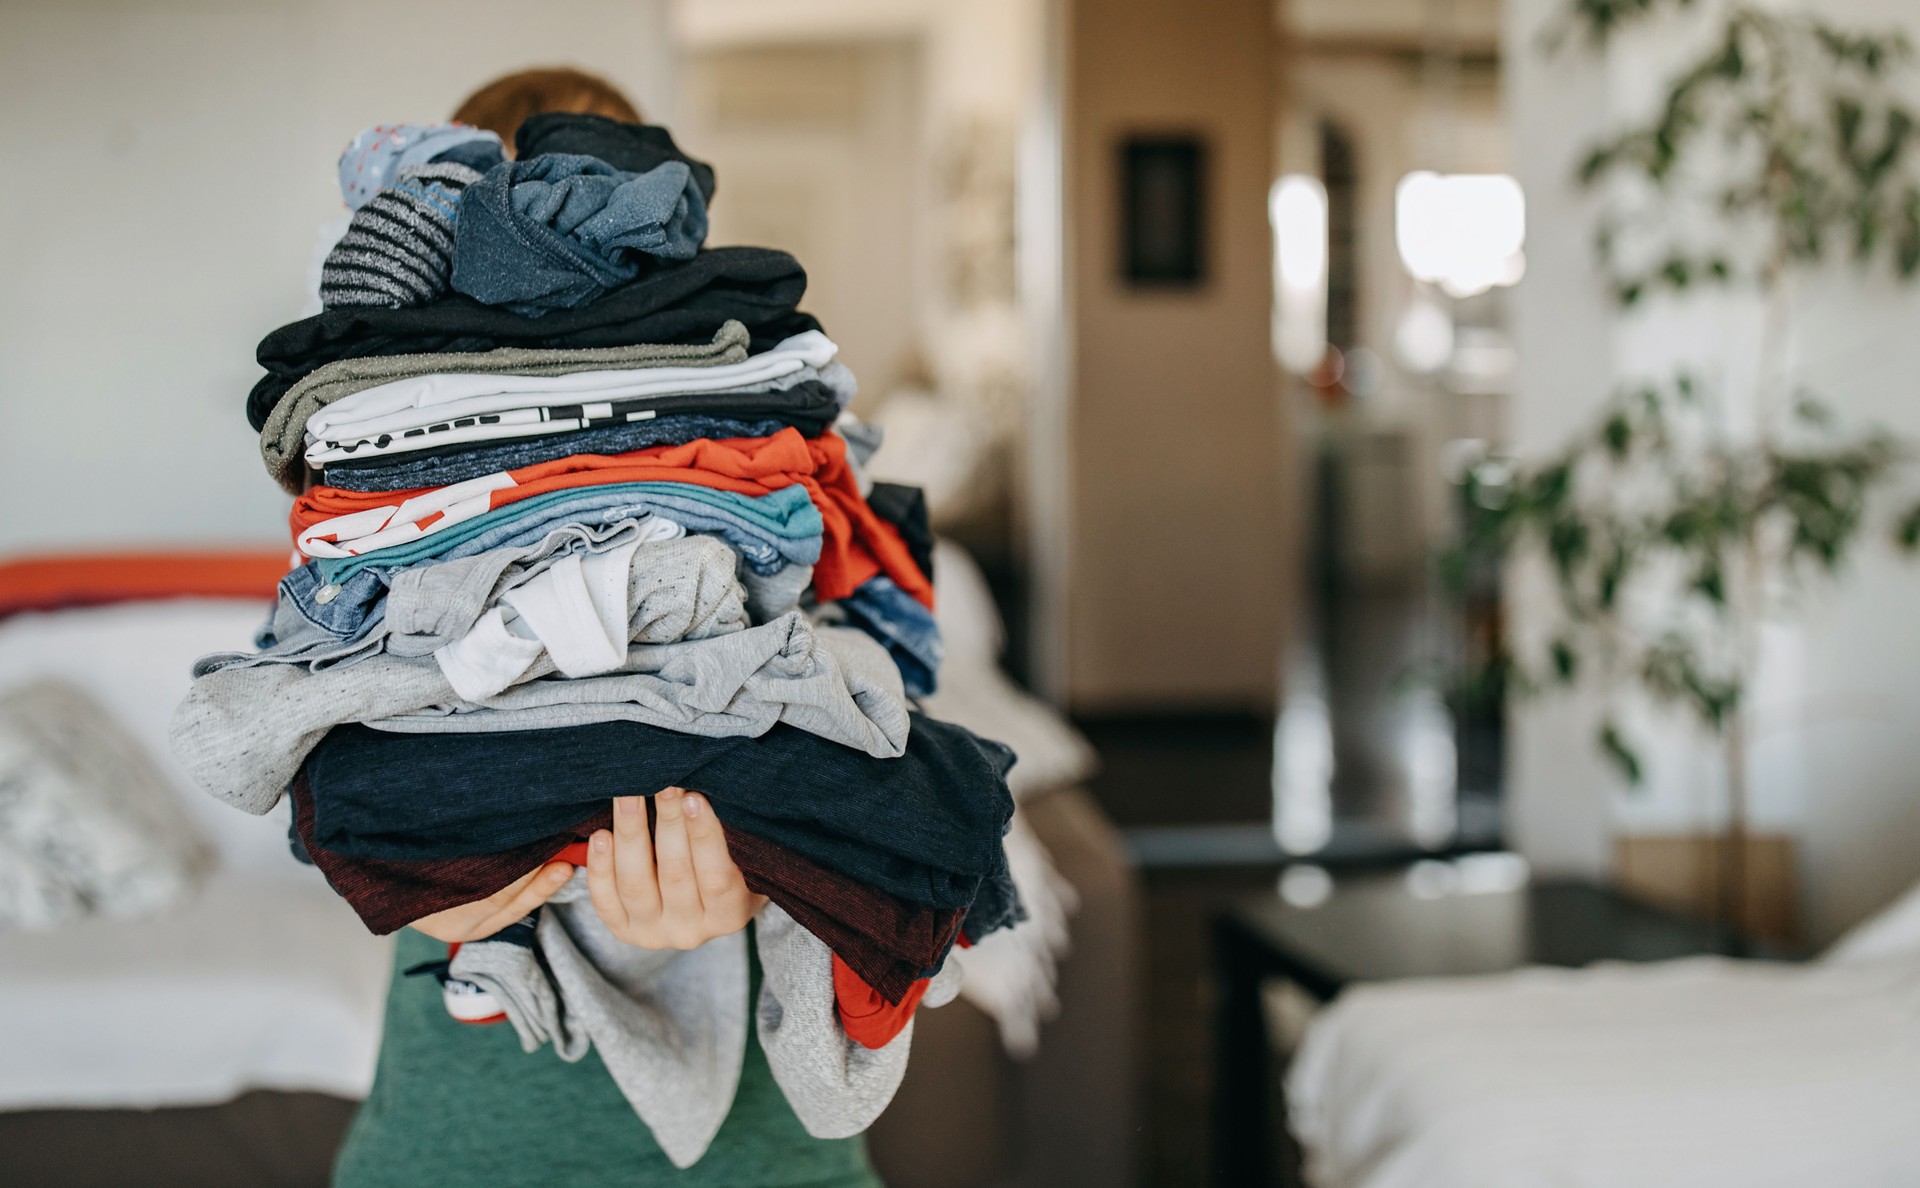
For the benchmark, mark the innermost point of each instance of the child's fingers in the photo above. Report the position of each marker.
(600, 886)
(679, 893)
(633, 862)
(535, 890)
(722, 889)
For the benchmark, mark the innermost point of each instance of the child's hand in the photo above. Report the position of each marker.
(677, 889)
(484, 917)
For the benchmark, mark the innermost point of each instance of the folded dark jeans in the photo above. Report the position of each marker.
(633, 147)
(676, 301)
(897, 621)
(925, 826)
(558, 230)
(389, 895)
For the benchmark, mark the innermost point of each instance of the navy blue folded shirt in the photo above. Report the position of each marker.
(925, 826)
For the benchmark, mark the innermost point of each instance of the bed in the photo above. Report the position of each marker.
(261, 981)
(1698, 1072)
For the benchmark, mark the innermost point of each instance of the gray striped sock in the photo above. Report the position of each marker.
(398, 250)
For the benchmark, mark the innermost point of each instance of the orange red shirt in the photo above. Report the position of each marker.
(857, 544)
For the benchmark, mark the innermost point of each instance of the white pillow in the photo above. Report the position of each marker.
(88, 826)
(970, 627)
(939, 445)
(135, 660)
(974, 692)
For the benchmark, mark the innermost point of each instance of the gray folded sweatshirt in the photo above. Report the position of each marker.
(671, 1027)
(694, 667)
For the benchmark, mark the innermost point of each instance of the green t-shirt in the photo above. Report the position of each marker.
(454, 1103)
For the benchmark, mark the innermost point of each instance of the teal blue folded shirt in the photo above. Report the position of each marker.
(771, 531)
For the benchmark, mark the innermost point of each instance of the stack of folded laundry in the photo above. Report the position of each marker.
(579, 513)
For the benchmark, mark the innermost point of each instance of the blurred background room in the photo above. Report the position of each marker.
(1427, 487)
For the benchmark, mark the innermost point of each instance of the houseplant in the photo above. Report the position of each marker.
(1673, 527)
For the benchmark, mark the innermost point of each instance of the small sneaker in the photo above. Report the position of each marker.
(470, 1002)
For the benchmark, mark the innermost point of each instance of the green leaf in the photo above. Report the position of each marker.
(1711, 584)
(1866, 232)
(1565, 662)
(1550, 488)
(1847, 115)
(1906, 252)
(1618, 434)
(1614, 746)
(1596, 163)
(1908, 532)
(1567, 541)
(1612, 576)
(1899, 128)
(1732, 63)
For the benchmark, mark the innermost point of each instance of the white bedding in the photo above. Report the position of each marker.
(265, 980)
(1693, 1073)
(256, 984)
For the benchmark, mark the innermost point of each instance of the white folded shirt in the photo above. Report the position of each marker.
(425, 399)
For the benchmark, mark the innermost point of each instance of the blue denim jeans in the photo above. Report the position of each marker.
(904, 627)
(558, 230)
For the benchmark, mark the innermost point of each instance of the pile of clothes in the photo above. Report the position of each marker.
(581, 512)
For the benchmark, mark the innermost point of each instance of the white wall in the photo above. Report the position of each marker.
(1837, 759)
(952, 71)
(819, 153)
(168, 163)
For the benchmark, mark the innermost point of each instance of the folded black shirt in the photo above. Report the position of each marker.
(906, 509)
(679, 301)
(925, 826)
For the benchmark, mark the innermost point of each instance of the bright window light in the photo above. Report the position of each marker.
(1299, 210)
(1461, 231)
(1297, 206)
(1303, 760)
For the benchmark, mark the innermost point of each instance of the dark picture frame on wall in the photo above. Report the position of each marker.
(1163, 199)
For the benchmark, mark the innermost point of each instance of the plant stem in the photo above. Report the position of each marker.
(1746, 605)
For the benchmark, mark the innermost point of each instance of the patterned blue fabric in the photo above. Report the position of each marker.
(560, 229)
(903, 626)
(410, 471)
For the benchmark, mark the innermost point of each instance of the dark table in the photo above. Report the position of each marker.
(1375, 929)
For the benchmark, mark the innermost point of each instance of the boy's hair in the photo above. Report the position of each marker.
(502, 104)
